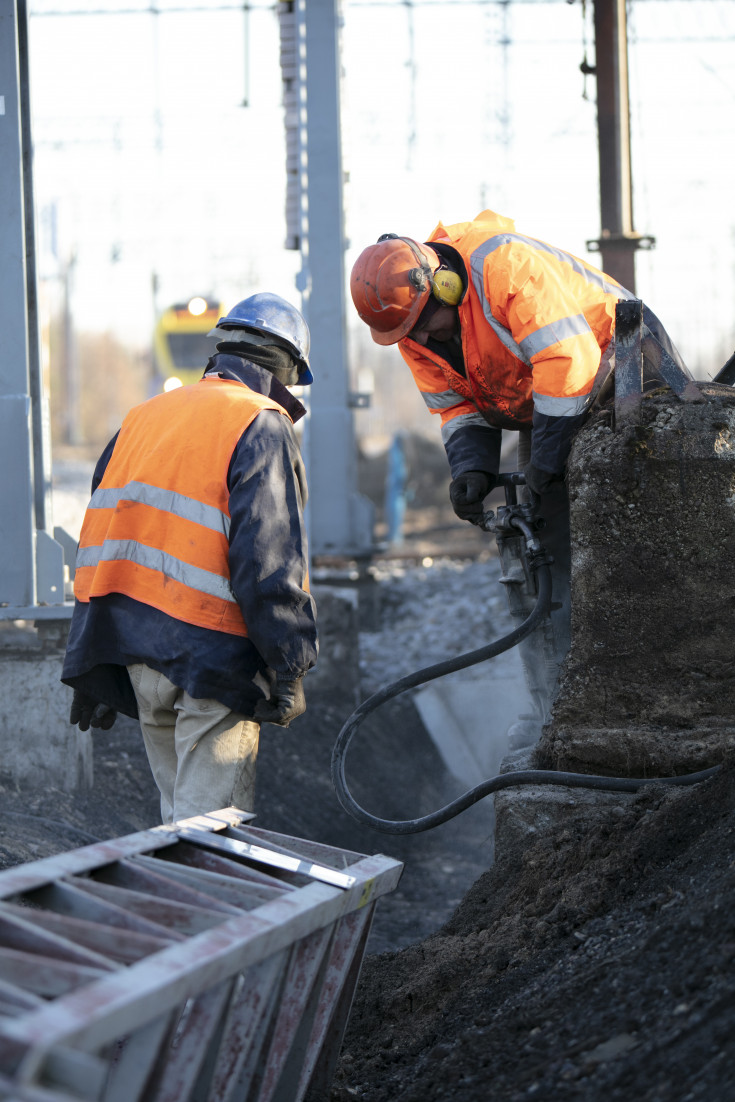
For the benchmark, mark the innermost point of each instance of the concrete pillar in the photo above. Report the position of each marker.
(648, 687)
(38, 747)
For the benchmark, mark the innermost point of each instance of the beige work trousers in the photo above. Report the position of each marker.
(202, 755)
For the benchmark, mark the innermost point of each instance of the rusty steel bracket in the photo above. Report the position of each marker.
(628, 362)
(633, 341)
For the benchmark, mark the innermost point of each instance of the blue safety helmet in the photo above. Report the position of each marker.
(269, 313)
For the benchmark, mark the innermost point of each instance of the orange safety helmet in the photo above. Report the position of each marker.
(390, 283)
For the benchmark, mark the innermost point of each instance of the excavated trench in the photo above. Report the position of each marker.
(595, 958)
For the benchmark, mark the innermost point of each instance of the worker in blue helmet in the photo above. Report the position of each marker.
(193, 612)
(267, 330)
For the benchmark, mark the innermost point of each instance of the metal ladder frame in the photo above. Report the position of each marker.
(204, 961)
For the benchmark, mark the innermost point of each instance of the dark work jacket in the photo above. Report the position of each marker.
(267, 560)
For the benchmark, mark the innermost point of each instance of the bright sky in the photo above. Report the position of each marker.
(152, 164)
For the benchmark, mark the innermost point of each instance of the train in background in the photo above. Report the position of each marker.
(181, 346)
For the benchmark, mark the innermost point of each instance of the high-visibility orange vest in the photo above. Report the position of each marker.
(534, 323)
(157, 527)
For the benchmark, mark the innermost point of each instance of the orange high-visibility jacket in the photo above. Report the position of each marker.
(157, 526)
(534, 323)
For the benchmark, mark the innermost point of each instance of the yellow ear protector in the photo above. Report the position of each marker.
(446, 285)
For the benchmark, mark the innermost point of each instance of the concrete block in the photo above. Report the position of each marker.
(648, 687)
(38, 746)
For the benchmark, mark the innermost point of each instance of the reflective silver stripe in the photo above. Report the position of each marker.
(597, 278)
(194, 577)
(476, 267)
(167, 500)
(443, 400)
(464, 419)
(560, 407)
(88, 556)
(555, 331)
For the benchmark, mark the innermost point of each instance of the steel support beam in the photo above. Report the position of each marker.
(340, 519)
(32, 575)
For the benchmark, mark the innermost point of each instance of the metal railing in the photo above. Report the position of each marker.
(205, 961)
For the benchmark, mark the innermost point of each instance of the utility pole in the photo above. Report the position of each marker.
(618, 239)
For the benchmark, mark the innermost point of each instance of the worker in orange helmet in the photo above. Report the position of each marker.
(501, 331)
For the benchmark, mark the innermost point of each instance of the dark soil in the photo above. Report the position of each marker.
(37, 822)
(600, 966)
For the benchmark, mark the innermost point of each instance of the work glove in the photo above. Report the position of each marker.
(467, 493)
(88, 712)
(286, 702)
(538, 481)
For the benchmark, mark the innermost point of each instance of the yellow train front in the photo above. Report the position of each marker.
(181, 346)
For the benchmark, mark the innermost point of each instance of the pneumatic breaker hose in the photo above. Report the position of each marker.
(504, 780)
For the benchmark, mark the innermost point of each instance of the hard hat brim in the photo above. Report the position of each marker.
(393, 336)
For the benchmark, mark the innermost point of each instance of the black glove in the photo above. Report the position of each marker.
(90, 713)
(540, 481)
(467, 493)
(286, 702)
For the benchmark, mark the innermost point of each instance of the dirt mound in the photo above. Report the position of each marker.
(598, 966)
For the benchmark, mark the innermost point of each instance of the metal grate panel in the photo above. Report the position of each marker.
(204, 961)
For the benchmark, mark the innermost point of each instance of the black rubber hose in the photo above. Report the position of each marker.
(494, 784)
(410, 826)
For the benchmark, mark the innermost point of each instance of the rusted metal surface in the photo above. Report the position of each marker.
(321, 1048)
(634, 342)
(208, 961)
(628, 362)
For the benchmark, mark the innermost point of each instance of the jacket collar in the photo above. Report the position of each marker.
(456, 263)
(225, 365)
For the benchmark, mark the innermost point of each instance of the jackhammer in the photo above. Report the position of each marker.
(516, 528)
